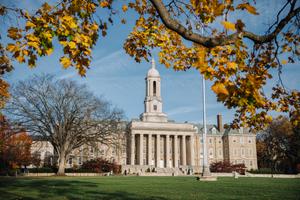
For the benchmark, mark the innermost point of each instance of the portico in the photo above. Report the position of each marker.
(162, 150)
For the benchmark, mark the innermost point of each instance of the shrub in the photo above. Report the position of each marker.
(41, 170)
(227, 167)
(264, 171)
(100, 165)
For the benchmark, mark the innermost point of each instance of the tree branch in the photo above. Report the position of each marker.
(174, 25)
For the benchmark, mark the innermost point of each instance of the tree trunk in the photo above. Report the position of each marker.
(61, 164)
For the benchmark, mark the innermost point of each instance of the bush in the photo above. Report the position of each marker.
(42, 170)
(227, 167)
(264, 171)
(100, 165)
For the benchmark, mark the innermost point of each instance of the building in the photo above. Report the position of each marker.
(154, 143)
(157, 144)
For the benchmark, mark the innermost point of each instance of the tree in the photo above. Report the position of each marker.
(238, 61)
(278, 147)
(63, 113)
(14, 147)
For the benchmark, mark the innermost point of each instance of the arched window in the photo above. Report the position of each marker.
(154, 88)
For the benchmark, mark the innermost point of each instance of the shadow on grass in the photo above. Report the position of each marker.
(39, 188)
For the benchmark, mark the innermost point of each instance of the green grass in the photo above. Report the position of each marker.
(136, 188)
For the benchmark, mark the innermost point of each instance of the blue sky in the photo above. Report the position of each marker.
(121, 80)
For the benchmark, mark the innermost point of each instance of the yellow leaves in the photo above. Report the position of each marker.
(66, 62)
(49, 51)
(11, 47)
(208, 10)
(228, 25)
(248, 7)
(20, 58)
(219, 88)
(232, 65)
(94, 27)
(34, 45)
(284, 62)
(29, 25)
(70, 21)
(72, 45)
(104, 4)
(47, 35)
(124, 8)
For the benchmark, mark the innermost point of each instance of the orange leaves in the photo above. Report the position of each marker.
(4, 93)
(219, 88)
(14, 33)
(232, 65)
(104, 4)
(124, 8)
(248, 7)
(228, 25)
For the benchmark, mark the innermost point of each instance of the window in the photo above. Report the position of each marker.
(70, 161)
(155, 107)
(249, 140)
(79, 161)
(250, 162)
(210, 141)
(220, 152)
(250, 152)
(243, 152)
(235, 152)
(211, 153)
(154, 88)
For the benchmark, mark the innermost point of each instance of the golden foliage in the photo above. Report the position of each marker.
(238, 73)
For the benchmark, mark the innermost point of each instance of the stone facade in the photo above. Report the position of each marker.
(155, 144)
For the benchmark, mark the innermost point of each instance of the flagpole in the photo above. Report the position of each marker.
(206, 175)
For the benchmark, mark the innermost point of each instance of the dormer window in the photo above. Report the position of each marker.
(155, 107)
(213, 130)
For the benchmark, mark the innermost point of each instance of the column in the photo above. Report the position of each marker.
(141, 149)
(132, 149)
(183, 153)
(157, 150)
(175, 151)
(167, 151)
(192, 143)
(149, 149)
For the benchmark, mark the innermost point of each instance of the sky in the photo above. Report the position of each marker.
(121, 80)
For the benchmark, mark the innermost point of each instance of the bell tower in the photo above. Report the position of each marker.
(153, 102)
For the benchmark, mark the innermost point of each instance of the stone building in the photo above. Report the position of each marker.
(154, 143)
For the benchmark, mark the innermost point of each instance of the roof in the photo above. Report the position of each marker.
(213, 130)
(153, 71)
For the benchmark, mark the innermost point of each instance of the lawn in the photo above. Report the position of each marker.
(136, 188)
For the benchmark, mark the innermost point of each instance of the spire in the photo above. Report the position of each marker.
(153, 63)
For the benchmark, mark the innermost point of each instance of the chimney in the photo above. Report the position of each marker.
(220, 124)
